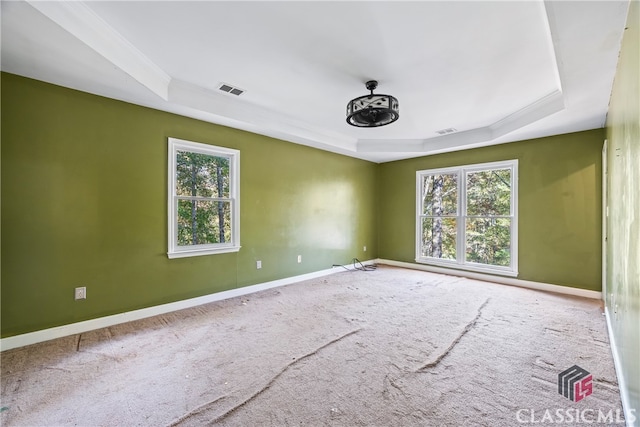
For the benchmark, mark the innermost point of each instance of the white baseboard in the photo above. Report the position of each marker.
(496, 279)
(115, 319)
(622, 384)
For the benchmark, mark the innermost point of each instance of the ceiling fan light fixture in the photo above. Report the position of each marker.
(372, 110)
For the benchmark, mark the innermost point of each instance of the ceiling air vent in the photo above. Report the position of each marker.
(446, 131)
(230, 89)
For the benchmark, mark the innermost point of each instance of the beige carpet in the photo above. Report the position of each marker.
(390, 347)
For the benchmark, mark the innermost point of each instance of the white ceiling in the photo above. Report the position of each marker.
(496, 71)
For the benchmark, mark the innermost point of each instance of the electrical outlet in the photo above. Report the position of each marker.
(258, 265)
(299, 259)
(81, 293)
(364, 249)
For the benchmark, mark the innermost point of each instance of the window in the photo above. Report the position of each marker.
(204, 195)
(467, 217)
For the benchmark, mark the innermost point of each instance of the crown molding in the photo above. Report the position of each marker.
(541, 108)
(83, 23)
(257, 118)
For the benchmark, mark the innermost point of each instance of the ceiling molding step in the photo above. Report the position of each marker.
(458, 140)
(314, 143)
(533, 112)
(83, 23)
(255, 118)
(543, 107)
(390, 145)
(554, 41)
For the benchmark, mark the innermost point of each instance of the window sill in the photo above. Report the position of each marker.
(469, 267)
(201, 252)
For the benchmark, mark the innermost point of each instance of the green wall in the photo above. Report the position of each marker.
(559, 205)
(623, 225)
(84, 203)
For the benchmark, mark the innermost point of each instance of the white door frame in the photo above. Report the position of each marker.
(605, 217)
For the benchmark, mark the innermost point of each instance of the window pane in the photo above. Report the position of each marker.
(489, 192)
(440, 194)
(203, 222)
(489, 241)
(439, 238)
(201, 175)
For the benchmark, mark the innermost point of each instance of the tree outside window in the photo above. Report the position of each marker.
(203, 199)
(467, 217)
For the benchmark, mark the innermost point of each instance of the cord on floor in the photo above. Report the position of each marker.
(357, 265)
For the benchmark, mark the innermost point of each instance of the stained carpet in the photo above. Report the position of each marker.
(390, 347)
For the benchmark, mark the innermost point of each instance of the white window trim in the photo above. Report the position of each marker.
(459, 263)
(175, 251)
